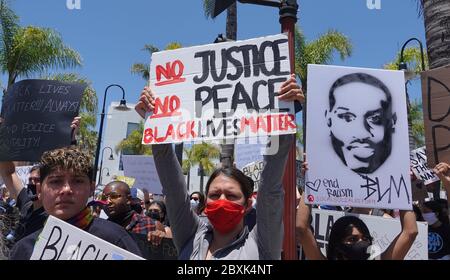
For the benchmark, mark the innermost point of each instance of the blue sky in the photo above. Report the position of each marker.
(109, 35)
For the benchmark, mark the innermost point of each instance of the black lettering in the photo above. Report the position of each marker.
(237, 64)
(200, 102)
(205, 69)
(52, 247)
(223, 68)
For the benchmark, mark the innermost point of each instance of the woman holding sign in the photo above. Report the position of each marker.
(350, 238)
(228, 198)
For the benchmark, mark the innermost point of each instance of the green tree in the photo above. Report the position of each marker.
(25, 51)
(133, 143)
(203, 155)
(417, 124)
(436, 16)
(413, 59)
(87, 136)
(143, 69)
(319, 51)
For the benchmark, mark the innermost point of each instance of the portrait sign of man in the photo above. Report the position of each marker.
(361, 121)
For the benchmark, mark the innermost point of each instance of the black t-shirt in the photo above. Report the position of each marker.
(30, 220)
(438, 242)
(103, 229)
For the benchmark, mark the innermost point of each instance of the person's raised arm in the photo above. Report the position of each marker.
(10, 178)
(400, 246)
(442, 170)
(303, 232)
(183, 221)
(269, 209)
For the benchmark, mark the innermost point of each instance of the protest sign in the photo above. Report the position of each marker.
(143, 170)
(420, 167)
(383, 230)
(436, 114)
(36, 117)
(357, 135)
(23, 172)
(165, 251)
(220, 91)
(62, 241)
(248, 153)
(254, 171)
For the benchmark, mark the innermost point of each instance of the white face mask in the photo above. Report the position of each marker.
(194, 203)
(430, 218)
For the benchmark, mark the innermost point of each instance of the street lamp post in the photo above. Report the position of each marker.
(288, 17)
(122, 107)
(403, 66)
(101, 163)
(107, 175)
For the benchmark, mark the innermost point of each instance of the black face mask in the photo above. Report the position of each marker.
(155, 216)
(356, 251)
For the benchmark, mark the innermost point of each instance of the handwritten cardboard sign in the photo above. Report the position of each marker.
(143, 170)
(383, 230)
(62, 241)
(436, 114)
(220, 91)
(36, 117)
(420, 167)
(254, 171)
(357, 138)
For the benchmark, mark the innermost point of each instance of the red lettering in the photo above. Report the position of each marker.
(262, 123)
(168, 108)
(148, 136)
(290, 121)
(172, 73)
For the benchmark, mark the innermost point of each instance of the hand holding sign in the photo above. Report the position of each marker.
(146, 102)
(442, 170)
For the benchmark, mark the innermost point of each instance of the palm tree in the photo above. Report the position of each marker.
(133, 143)
(436, 15)
(413, 58)
(87, 139)
(319, 51)
(201, 154)
(25, 51)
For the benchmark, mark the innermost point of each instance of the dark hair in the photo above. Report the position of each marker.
(363, 78)
(342, 228)
(418, 213)
(437, 208)
(161, 206)
(246, 183)
(34, 168)
(201, 202)
(68, 158)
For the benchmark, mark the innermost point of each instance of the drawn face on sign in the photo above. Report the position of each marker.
(361, 121)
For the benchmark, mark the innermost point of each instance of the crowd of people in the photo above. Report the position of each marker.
(227, 222)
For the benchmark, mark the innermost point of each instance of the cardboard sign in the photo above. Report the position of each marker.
(357, 138)
(383, 230)
(36, 118)
(254, 171)
(220, 91)
(143, 170)
(62, 241)
(436, 114)
(420, 167)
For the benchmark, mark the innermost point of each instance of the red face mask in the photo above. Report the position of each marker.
(224, 215)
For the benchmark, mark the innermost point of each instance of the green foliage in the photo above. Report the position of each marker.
(413, 59)
(201, 154)
(133, 143)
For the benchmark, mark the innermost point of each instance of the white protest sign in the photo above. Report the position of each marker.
(248, 153)
(23, 172)
(420, 168)
(220, 91)
(254, 171)
(357, 135)
(383, 230)
(143, 170)
(62, 241)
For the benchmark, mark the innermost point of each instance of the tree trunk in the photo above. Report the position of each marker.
(227, 150)
(436, 15)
